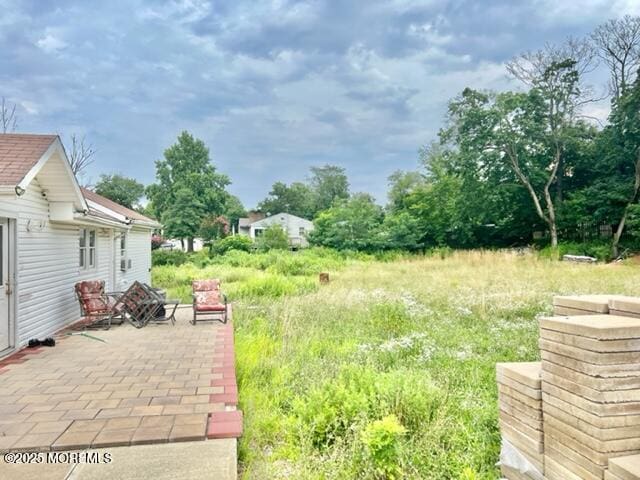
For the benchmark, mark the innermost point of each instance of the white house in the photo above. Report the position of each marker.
(53, 234)
(295, 227)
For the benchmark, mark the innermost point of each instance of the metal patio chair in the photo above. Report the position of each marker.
(98, 307)
(143, 304)
(209, 301)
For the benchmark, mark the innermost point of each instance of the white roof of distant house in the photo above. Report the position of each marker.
(280, 216)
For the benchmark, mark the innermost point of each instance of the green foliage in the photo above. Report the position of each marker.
(353, 224)
(188, 187)
(382, 443)
(233, 242)
(168, 257)
(329, 184)
(123, 190)
(598, 250)
(332, 411)
(214, 228)
(296, 199)
(183, 217)
(273, 238)
(274, 286)
(417, 338)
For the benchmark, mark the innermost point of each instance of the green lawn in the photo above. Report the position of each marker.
(318, 366)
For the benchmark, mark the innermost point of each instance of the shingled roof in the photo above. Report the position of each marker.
(19, 153)
(116, 207)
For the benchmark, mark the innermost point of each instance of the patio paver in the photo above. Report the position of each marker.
(157, 384)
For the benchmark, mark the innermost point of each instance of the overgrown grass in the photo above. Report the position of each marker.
(323, 369)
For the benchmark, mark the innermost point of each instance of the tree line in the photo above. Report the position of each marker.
(504, 165)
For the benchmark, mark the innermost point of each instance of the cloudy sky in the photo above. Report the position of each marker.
(272, 87)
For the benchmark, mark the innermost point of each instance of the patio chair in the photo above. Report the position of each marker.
(209, 301)
(98, 307)
(144, 304)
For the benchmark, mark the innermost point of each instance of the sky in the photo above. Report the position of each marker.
(271, 87)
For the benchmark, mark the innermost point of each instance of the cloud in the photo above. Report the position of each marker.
(273, 87)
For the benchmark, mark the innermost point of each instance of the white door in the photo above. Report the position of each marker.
(5, 291)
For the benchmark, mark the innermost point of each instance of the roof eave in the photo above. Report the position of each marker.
(56, 145)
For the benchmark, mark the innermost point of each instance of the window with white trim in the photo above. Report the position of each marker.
(125, 263)
(87, 248)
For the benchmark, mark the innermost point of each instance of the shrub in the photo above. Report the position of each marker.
(273, 286)
(598, 250)
(358, 395)
(382, 444)
(240, 243)
(273, 238)
(168, 257)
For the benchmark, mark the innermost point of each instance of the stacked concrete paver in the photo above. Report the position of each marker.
(624, 468)
(520, 403)
(589, 394)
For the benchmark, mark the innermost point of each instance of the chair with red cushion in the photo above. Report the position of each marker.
(209, 301)
(96, 305)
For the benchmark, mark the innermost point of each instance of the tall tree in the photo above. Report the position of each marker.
(296, 199)
(187, 166)
(625, 127)
(618, 45)
(180, 217)
(328, 183)
(123, 190)
(8, 117)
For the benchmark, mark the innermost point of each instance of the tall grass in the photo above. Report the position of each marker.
(414, 339)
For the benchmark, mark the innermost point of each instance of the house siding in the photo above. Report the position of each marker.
(138, 251)
(290, 224)
(48, 265)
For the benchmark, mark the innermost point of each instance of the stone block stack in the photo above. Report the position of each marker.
(576, 414)
(624, 306)
(623, 468)
(591, 393)
(581, 304)
(520, 404)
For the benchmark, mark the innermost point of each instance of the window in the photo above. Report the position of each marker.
(301, 231)
(124, 262)
(257, 232)
(87, 248)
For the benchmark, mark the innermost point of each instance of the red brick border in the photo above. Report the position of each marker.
(228, 423)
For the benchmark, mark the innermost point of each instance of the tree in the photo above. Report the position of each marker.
(214, 228)
(351, 224)
(625, 127)
(80, 155)
(123, 190)
(187, 166)
(8, 117)
(233, 209)
(179, 218)
(401, 185)
(328, 183)
(296, 199)
(618, 45)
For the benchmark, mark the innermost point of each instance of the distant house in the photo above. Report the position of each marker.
(53, 234)
(296, 228)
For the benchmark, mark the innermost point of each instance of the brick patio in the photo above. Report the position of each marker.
(158, 384)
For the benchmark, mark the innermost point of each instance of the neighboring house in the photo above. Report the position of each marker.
(53, 234)
(296, 228)
(244, 224)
